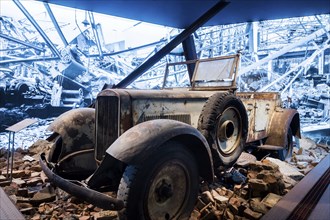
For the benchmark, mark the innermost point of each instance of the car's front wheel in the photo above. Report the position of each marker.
(164, 186)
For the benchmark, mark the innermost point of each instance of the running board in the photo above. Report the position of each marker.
(270, 147)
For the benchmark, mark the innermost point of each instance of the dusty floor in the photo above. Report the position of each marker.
(247, 191)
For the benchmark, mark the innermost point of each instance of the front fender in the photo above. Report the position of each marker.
(142, 140)
(280, 123)
(76, 128)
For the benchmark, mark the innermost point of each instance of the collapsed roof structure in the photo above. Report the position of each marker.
(279, 55)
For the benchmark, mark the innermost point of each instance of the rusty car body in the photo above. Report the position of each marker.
(151, 146)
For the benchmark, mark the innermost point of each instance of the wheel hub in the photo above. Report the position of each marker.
(164, 191)
(228, 131)
(167, 191)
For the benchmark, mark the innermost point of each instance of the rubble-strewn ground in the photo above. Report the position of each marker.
(247, 191)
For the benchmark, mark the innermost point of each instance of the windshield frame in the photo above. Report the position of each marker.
(228, 82)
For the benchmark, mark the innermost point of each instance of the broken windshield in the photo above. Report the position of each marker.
(214, 72)
(176, 76)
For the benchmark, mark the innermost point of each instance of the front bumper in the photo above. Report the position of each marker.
(91, 196)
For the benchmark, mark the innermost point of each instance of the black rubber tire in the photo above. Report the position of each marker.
(21, 89)
(224, 120)
(152, 185)
(286, 152)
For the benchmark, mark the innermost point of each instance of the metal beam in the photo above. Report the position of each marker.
(2, 62)
(35, 24)
(172, 44)
(57, 27)
(96, 34)
(189, 50)
(21, 42)
(15, 48)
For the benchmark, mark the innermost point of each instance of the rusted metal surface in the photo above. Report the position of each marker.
(140, 141)
(301, 200)
(99, 199)
(267, 118)
(280, 122)
(270, 147)
(168, 108)
(134, 146)
(136, 106)
(76, 128)
(260, 107)
(7, 208)
(131, 125)
(107, 122)
(123, 108)
(158, 94)
(259, 95)
(73, 147)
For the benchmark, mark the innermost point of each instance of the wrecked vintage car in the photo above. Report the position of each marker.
(11, 88)
(16, 89)
(151, 147)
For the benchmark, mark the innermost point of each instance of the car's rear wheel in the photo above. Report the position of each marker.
(286, 152)
(21, 89)
(164, 186)
(224, 123)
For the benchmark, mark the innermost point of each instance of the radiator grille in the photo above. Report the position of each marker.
(178, 117)
(106, 123)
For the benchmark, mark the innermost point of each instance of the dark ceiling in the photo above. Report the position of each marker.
(181, 13)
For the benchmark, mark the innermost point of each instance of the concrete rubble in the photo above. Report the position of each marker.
(266, 182)
(35, 197)
(250, 199)
(246, 191)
